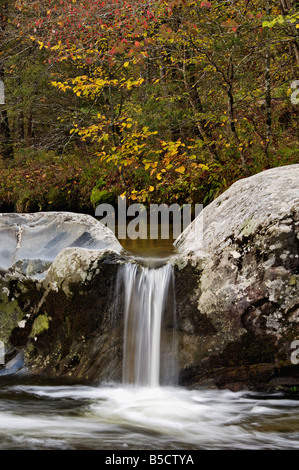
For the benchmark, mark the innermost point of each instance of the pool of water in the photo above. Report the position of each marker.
(113, 417)
(149, 248)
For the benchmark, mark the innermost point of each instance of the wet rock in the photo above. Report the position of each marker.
(238, 271)
(77, 331)
(58, 315)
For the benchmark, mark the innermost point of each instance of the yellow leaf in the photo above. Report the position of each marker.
(126, 64)
(159, 177)
(181, 169)
(151, 188)
(203, 167)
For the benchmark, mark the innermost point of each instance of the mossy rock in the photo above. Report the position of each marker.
(10, 315)
(41, 323)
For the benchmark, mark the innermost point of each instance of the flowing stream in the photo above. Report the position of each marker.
(149, 350)
(148, 410)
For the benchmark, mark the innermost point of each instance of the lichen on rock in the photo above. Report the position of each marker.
(247, 287)
(56, 294)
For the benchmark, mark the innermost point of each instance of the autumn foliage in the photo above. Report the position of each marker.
(176, 99)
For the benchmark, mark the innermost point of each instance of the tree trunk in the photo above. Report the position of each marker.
(268, 91)
(5, 134)
(231, 116)
(6, 144)
(29, 133)
(20, 131)
(196, 105)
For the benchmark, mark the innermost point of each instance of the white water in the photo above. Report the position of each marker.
(126, 418)
(140, 413)
(149, 325)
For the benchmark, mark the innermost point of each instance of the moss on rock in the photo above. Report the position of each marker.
(40, 324)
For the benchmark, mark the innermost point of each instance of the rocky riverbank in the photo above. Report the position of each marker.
(236, 278)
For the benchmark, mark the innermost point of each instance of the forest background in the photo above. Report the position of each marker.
(161, 102)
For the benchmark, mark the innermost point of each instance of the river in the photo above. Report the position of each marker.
(114, 417)
(35, 415)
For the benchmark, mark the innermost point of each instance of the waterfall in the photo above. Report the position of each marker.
(149, 338)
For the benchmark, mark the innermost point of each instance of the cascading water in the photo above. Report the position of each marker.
(149, 338)
(144, 416)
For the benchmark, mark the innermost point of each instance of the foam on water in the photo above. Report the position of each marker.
(122, 417)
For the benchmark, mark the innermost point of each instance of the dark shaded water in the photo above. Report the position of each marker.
(149, 248)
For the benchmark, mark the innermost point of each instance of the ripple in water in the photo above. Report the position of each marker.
(122, 418)
(141, 414)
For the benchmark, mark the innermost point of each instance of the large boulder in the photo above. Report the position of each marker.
(237, 278)
(32, 241)
(58, 314)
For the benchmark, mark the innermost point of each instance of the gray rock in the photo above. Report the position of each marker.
(34, 240)
(57, 296)
(75, 326)
(247, 206)
(237, 277)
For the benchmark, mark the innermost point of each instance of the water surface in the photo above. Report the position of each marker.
(114, 417)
